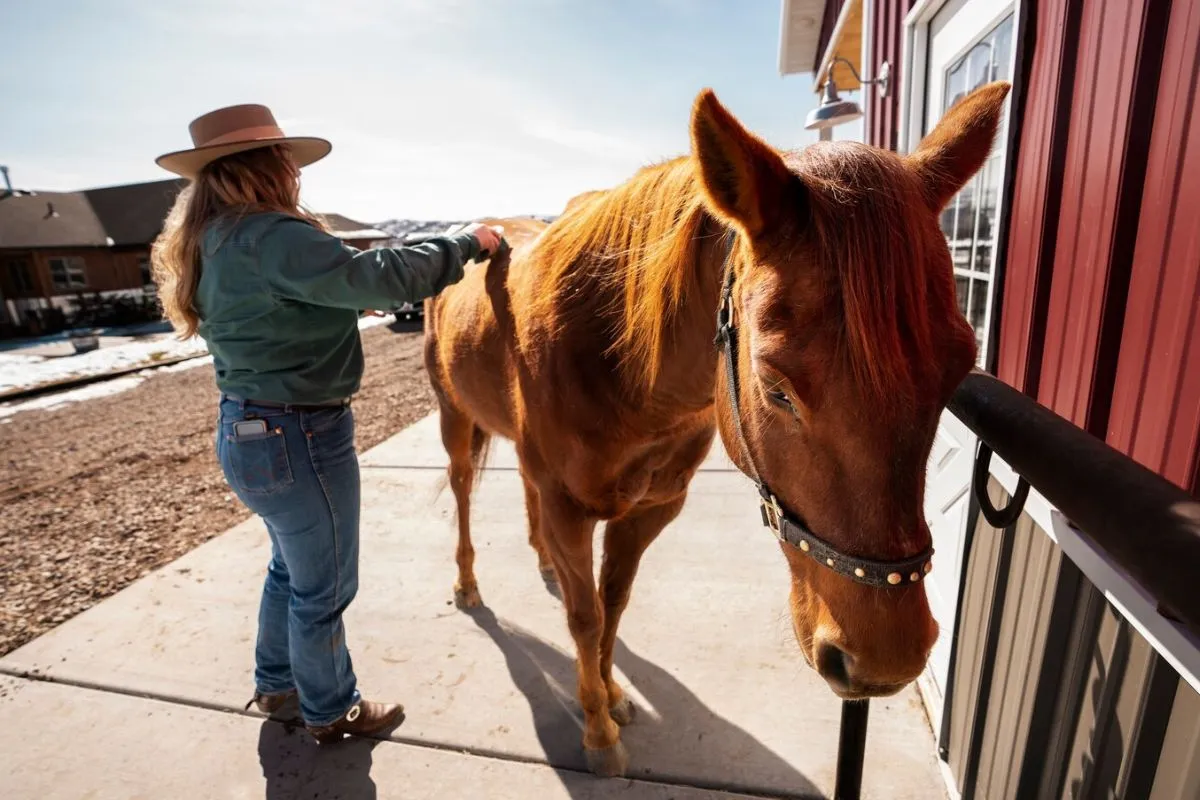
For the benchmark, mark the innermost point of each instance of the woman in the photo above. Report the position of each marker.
(276, 298)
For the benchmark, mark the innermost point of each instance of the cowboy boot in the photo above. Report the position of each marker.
(270, 703)
(364, 718)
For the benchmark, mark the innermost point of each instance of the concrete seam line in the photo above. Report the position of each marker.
(651, 778)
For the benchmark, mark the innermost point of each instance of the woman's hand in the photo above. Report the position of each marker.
(488, 236)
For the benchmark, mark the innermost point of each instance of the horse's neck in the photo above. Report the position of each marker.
(689, 366)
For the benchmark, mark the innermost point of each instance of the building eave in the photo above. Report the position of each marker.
(799, 35)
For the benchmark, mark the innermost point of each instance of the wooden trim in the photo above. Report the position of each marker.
(842, 27)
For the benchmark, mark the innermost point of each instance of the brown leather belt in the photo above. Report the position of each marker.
(345, 401)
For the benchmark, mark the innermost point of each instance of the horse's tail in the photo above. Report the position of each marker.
(481, 445)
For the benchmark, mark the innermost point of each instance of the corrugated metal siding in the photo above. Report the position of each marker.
(1155, 414)
(972, 623)
(1103, 177)
(1178, 774)
(1033, 574)
(883, 113)
(1036, 191)
(1079, 705)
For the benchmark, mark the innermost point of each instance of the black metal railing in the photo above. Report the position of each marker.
(1147, 527)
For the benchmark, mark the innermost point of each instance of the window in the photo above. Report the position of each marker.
(144, 268)
(970, 221)
(67, 272)
(956, 46)
(22, 278)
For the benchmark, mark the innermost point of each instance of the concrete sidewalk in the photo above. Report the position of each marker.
(142, 695)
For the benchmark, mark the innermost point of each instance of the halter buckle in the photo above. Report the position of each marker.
(772, 514)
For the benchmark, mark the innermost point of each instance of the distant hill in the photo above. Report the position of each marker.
(404, 229)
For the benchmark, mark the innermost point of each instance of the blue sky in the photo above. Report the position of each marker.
(437, 109)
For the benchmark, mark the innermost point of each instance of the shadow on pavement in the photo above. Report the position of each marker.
(680, 721)
(294, 766)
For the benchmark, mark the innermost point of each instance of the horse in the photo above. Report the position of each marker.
(801, 304)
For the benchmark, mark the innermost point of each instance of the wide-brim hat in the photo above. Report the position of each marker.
(235, 129)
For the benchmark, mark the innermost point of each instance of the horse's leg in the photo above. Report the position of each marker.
(533, 510)
(460, 436)
(625, 540)
(567, 533)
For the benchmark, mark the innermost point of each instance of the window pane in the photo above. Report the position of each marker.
(1002, 40)
(978, 313)
(971, 218)
(962, 287)
(979, 61)
(956, 83)
(985, 233)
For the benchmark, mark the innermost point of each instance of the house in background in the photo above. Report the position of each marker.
(355, 234)
(57, 247)
(1076, 254)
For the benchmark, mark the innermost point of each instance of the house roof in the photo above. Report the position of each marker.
(134, 214)
(346, 228)
(49, 219)
(111, 216)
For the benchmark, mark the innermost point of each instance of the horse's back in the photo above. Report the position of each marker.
(470, 334)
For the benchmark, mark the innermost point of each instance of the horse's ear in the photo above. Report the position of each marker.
(959, 144)
(744, 179)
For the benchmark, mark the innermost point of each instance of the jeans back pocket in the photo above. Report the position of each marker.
(258, 463)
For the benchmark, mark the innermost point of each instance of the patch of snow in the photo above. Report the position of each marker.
(365, 323)
(52, 401)
(184, 366)
(97, 362)
(114, 360)
(14, 359)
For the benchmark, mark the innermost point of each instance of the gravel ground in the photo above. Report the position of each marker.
(98, 493)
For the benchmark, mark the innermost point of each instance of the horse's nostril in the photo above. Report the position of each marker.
(834, 665)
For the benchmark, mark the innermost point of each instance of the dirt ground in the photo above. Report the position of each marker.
(98, 493)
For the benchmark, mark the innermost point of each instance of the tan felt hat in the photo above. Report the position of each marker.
(234, 129)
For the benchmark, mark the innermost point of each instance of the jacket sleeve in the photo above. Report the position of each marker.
(300, 262)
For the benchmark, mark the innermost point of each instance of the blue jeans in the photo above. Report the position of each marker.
(301, 476)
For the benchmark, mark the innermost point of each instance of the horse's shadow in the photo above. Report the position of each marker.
(680, 721)
(294, 766)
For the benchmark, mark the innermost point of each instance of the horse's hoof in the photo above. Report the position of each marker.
(624, 712)
(610, 762)
(468, 598)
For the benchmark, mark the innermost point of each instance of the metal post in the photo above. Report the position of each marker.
(852, 750)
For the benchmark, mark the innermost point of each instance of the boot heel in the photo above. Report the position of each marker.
(327, 736)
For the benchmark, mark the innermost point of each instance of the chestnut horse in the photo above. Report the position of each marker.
(591, 346)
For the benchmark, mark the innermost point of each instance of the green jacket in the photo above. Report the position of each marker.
(279, 299)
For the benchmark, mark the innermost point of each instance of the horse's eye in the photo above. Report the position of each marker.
(780, 399)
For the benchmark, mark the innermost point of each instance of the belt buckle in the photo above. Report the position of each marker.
(772, 514)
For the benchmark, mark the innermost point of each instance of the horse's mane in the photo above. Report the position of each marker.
(875, 246)
(639, 240)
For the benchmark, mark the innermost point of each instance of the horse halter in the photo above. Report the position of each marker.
(787, 528)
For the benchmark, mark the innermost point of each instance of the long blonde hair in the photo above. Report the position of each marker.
(263, 179)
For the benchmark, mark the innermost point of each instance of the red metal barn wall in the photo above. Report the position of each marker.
(885, 28)
(1099, 317)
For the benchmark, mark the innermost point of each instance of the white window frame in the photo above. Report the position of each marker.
(914, 50)
(74, 269)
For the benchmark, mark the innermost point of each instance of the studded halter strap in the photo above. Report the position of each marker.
(787, 528)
